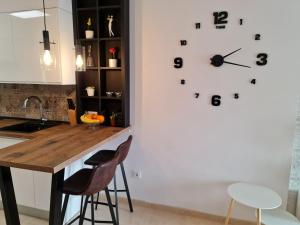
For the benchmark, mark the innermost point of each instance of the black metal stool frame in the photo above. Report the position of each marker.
(83, 208)
(116, 191)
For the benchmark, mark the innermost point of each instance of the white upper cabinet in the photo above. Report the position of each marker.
(20, 48)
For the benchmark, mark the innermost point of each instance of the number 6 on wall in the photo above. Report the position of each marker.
(216, 100)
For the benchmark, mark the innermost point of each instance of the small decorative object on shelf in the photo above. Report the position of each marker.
(109, 93)
(113, 61)
(89, 33)
(113, 119)
(118, 94)
(110, 19)
(90, 91)
(90, 60)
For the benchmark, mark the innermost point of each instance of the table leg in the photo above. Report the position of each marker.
(56, 198)
(229, 212)
(258, 216)
(8, 197)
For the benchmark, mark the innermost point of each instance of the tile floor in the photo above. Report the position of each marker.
(142, 216)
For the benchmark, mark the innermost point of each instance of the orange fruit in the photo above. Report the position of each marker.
(89, 116)
(94, 117)
(100, 118)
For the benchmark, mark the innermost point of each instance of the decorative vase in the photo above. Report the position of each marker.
(89, 59)
(90, 91)
(113, 63)
(113, 122)
(89, 34)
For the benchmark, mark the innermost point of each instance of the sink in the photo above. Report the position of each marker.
(30, 126)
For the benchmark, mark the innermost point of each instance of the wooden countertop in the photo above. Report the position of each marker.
(55, 148)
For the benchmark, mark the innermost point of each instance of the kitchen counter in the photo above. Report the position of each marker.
(53, 149)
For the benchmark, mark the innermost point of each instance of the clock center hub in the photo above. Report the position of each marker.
(217, 60)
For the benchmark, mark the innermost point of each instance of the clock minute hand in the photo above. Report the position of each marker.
(235, 64)
(232, 53)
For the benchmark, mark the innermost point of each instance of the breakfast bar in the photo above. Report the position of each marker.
(49, 151)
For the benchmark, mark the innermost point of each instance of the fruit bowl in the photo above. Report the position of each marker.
(92, 119)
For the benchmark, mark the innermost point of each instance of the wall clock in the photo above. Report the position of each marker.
(220, 20)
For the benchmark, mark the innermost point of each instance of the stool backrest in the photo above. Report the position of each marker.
(123, 149)
(101, 177)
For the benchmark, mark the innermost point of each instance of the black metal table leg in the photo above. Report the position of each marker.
(8, 197)
(56, 198)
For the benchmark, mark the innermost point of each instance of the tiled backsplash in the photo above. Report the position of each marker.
(54, 98)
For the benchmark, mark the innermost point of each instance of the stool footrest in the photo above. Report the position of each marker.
(117, 190)
(98, 221)
(101, 203)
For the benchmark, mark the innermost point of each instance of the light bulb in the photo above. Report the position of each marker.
(47, 58)
(79, 61)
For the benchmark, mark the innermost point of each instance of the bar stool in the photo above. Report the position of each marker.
(106, 155)
(88, 182)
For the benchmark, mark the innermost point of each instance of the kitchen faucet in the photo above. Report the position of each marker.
(40, 103)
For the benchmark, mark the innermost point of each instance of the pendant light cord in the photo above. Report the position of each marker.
(44, 15)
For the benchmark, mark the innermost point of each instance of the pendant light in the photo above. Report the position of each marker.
(80, 59)
(47, 58)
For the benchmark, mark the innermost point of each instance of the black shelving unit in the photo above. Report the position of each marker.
(102, 77)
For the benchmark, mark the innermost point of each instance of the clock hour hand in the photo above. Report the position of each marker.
(232, 53)
(235, 64)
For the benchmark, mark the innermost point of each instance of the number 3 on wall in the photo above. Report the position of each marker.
(216, 100)
(263, 59)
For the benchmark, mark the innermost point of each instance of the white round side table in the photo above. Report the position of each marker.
(253, 196)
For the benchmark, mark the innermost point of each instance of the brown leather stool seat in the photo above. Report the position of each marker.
(102, 157)
(88, 182)
(76, 184)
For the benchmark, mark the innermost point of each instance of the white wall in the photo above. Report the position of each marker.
(189, 151)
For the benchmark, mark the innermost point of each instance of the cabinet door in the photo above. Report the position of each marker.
(21, 41)
(42, 183)
(24, 187)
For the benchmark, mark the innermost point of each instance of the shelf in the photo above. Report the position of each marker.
(111, 98)
(110, 39)
(88, 40)
(101, 76)
(90, 97)
(91, 68)
(86, 9)
(110, 7)
(110, 68)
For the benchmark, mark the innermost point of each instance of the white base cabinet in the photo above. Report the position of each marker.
(24, 187)
(42, 190)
